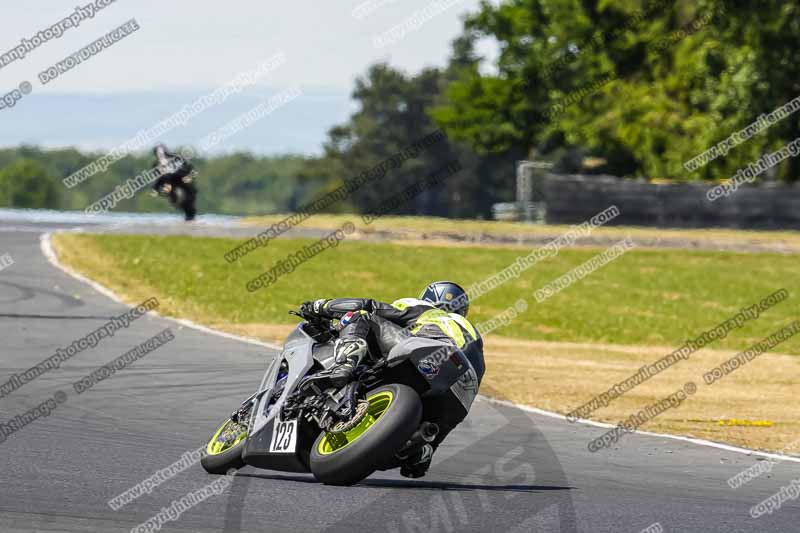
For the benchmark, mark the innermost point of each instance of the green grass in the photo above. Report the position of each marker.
(651, 297)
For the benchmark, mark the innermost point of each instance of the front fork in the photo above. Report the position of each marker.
(241, 415)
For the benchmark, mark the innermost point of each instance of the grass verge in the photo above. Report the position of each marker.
(556, 355)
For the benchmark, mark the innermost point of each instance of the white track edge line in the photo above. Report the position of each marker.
(49, 253)
(47, 249)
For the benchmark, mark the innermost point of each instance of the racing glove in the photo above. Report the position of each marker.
(314, 309)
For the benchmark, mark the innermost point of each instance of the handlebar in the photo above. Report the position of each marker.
(312, 319)
(319, 328)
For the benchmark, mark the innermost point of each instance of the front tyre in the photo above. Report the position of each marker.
(394, 413)
(224, 450)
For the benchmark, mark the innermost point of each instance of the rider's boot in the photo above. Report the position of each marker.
(417, 465)
(347, 353)
(189, 212)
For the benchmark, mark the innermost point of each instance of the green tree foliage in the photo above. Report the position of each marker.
(390, 116)
(238, 184)
(394, 111)
(645, 85)
(26, 183)
(682, 76)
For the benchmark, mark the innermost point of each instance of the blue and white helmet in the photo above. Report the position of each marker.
(447, 296)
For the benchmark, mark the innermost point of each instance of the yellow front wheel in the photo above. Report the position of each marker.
(224, 450)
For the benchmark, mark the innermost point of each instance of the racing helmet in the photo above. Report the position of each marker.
(447, 296)
(160, 152)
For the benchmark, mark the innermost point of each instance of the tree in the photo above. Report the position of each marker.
(646, 84)
(26, 183)
(392, 115)
(394, 111)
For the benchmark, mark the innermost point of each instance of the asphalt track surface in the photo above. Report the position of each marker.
(503, 469)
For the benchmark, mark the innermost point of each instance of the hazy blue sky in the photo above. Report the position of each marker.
(212, 40)
(198, 44)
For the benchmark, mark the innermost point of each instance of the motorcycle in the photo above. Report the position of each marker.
(182, 195)
(299, 421)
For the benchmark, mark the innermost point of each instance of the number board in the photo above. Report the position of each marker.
(284, 436)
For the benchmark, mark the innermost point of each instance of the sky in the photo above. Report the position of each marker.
(185, 47)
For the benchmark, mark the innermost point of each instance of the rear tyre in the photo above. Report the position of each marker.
(394, 413)
(224, 450)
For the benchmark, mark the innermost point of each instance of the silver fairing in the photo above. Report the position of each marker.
(453, 373)
(298, 353)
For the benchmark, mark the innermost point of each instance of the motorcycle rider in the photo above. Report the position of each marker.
(175, 172)
(438, 314)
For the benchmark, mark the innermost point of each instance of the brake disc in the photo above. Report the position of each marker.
(346, 425)
(231, 433)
